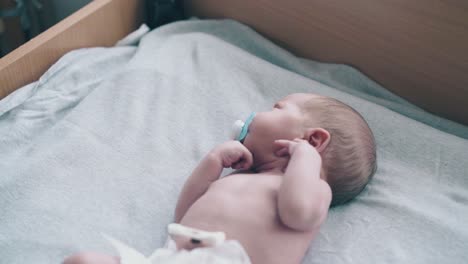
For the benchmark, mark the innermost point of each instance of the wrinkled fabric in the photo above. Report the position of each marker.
(105, 140)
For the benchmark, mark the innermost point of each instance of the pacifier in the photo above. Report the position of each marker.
(240, 128)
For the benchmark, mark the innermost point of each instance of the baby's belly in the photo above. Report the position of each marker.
(244, 207)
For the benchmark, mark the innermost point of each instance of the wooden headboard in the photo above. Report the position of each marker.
(418, 49)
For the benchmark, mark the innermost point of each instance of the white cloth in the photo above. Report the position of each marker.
(229, 252)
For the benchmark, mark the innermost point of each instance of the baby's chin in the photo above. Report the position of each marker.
(261, 153)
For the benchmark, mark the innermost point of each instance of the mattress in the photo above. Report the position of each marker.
(104, 140)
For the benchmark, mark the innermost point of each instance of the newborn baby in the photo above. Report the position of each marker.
(308, 153)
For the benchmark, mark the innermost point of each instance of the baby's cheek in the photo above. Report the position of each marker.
(260, 123)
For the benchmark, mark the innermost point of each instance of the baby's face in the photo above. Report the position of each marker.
(284, 121)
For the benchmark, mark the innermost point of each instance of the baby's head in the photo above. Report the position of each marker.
(349, 160)
(340, 134)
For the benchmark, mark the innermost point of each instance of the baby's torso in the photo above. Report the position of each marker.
(244, 206)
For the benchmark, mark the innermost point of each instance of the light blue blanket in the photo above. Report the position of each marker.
(105, 139)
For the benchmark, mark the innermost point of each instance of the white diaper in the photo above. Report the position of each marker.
(228, 252)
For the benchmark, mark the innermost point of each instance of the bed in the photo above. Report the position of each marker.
(97, 138)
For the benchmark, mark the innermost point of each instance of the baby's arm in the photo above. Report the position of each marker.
(303, 198)
(229, 154)
(207, 171)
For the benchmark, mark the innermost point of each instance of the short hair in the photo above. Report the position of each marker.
(349, 161)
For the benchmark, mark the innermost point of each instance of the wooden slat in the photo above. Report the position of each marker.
(100, 23)
(418, 49)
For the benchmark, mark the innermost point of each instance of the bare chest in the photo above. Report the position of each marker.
(244, 206)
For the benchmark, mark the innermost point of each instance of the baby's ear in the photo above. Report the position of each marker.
(318, 138)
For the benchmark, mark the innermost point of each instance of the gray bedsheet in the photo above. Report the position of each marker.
(105, 139)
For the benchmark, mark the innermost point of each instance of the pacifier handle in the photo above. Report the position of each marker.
(241, 128)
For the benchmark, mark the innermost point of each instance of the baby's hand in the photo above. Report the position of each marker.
(289, 147)
(233, 155)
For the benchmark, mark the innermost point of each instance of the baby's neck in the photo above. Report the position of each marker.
(276, 166)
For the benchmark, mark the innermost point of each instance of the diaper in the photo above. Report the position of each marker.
(226, 252)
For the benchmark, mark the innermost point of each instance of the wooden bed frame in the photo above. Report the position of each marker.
(418, 49)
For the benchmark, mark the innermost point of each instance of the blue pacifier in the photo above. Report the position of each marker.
(241, 128)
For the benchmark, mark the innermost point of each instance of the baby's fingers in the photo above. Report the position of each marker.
(282, 152)
(245, 161)
(242, 164)
(283, 142)
(248, 159)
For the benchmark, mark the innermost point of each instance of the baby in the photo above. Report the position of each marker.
(308, 153)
